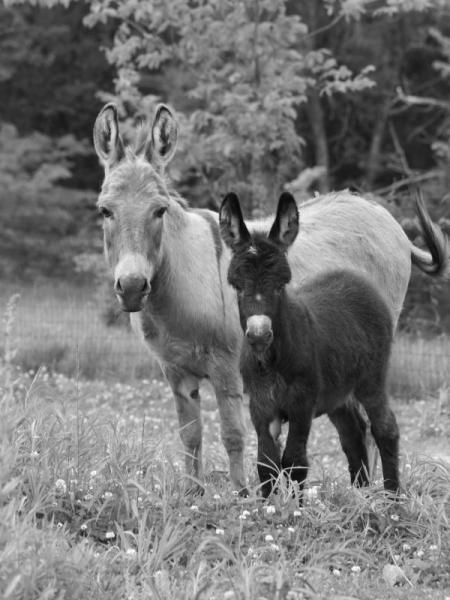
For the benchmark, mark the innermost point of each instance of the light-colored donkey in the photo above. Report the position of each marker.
(170, 271)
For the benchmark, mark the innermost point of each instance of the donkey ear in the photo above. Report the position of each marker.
(164, 137)
(286, 225)
(232, 227)
(107, 141)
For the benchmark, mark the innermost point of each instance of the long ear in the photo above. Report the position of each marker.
(107, 141)
(286, 225)
(232, 227)
(162, 145)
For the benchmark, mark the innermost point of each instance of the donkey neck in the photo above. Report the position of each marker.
(188, 291)
(293, 330)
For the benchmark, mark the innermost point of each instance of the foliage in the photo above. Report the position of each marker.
(42, 221)
(244, 68)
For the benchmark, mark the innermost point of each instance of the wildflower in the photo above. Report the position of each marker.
(356, 569)
(216, 496)
(107, 495)
(420, 553)
(275, 547)
(291, 529)
(242, 517)
(131, 552)
(297, 513)
(110, 535)
(88, 497)
(59, 524)
(269, 538)
(433, 547)
(395, 518)
(235, 492)
(194, 508)
(93, 473)
(60, 487)
(220, 531)
(406, 547)
(255, 510)
(83, 527)
(34, 454)
(336, 572)
(157, 487)
(246, 513)
(270, 510)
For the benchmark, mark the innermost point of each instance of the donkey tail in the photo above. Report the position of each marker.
(435, 260)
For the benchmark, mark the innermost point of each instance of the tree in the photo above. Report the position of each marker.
(246, 69)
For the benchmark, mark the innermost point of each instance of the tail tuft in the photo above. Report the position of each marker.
(434, 262)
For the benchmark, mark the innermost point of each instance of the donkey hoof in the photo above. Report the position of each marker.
(243, 492)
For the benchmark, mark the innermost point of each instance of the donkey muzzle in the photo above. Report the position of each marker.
(132, 291)
(259, 332)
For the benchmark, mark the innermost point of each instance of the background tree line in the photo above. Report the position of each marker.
(312, 95)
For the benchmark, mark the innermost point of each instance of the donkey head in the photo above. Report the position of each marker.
(133, 200)
(259, 269)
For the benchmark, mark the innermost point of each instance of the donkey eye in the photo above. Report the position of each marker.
(160, 211)
(105, 212)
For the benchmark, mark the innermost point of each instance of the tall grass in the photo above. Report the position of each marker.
(61, 327)
(93, 505)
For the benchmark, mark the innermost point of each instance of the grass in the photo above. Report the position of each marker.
(93, 501)
(60, 326)
(93, 504)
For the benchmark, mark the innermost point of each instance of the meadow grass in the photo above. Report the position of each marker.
(60, 326)
(93, 500)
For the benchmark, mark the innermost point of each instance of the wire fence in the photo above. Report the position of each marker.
(61, 327)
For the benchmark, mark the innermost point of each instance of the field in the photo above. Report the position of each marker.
(93, 502)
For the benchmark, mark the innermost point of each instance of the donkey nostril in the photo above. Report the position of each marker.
(118, 286)
(145, 287)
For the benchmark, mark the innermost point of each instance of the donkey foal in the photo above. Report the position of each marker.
(304, 353)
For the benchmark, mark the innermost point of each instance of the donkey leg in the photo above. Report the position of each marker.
(185, 388)
(228, 388)
(386, 434)
(269, 465)
(294, 456)
(351, 428)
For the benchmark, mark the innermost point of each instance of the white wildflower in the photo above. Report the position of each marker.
(356, 569)
(406, 547)
(60, 487)
(336, 572)
(271, 510)
(395, 518)
(220, 531)
(110, 535)
(269, 538)
(275, 547)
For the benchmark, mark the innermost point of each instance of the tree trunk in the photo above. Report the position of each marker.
(317, 122)
(373, 159)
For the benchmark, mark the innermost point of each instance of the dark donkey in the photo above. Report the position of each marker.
(305, 352)
(160, 252)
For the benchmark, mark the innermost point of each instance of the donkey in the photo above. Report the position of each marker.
(159, 250)
(305, 352)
